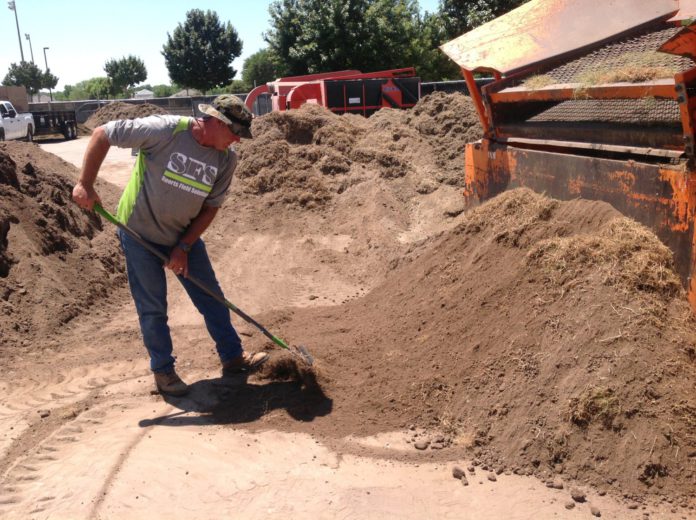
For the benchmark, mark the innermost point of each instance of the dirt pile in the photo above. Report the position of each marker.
(120, 110)
(545, 337)
(307, 156)
(55, 260)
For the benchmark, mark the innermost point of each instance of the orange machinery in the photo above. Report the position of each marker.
(343, 91)
(594, 101)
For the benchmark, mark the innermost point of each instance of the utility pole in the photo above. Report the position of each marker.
(12, 7)
(50, 92)
(26, 35)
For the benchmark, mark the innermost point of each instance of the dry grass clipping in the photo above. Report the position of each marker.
(624, 253)
(538, 82)
(509, 215)
(287, 368)
(595, 403)
(631, 67)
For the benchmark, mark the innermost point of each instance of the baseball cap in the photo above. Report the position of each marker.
(232, 111)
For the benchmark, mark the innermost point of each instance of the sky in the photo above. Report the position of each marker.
(82, 35)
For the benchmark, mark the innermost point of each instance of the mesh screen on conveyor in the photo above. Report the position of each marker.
(632, 58)
(625, 111)
(636, 51)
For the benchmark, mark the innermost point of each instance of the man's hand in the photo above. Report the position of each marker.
(85, 196)
(178, 262)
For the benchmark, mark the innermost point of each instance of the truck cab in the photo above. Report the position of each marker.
(14, 125)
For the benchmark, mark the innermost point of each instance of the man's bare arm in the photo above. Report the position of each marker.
(83, 193)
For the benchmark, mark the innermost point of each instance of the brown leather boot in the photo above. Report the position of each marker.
(244, 363)
(169, 383)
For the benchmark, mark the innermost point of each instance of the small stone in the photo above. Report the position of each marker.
(465, 482)
(633, 505)
(44, 413)
(313, 296)
(577, 495)
(458, 472)
(569, 504)
(601, 492)
(557, 483)
(436, 446)
(422, 445)
(492, 477)
(499, 471)
(595, 511)
(471, 469)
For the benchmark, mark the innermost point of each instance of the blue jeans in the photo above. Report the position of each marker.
(148, 285)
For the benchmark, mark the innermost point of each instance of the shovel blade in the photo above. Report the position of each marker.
(302, 352)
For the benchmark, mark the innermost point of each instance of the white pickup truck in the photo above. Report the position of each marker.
(14, 125)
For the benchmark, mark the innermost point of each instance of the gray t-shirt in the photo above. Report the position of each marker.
(173, 177)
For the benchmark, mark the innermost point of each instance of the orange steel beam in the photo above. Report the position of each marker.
(682, 81)
(579, 91)
(478, 101)
(682, 44)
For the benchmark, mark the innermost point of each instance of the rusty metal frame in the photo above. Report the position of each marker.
(660, 196)
(659, 89)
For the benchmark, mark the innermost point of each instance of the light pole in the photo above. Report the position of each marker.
(50, 92)
(12, 7)
(31, 49)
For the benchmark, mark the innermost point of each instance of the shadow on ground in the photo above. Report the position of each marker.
(233, 400)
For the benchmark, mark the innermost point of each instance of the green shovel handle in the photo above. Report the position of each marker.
(111, 218)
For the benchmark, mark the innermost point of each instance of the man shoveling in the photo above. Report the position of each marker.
(181, 177)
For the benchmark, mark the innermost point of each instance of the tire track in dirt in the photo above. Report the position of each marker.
(36, 445)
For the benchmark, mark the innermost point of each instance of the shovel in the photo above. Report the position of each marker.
(300, 351)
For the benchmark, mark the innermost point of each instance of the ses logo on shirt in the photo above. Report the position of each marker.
(189, 174)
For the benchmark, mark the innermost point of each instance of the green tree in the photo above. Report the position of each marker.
(433, 64)
(460, 16)
(311, 36)
(125, 73)
(49, 80)
(286, 28)
(260, 68)
(98, 88)
(165, 90)
(200, 52)
(26, 74)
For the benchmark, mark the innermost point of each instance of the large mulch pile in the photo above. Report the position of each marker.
(55, 259)
(542, 337)
(307, 156)
(120, 110)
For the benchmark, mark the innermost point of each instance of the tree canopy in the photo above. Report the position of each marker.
(30, 76)
(259, 68)
(311, 36)
(125, 73)
(460, 16)
(200, 52)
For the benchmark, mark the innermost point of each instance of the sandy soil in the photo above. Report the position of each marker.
(374, 264)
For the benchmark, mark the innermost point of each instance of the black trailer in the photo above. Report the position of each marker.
(48, 122)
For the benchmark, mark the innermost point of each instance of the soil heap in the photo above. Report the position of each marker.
(545, 337)
(55, 259)
(120, 110)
